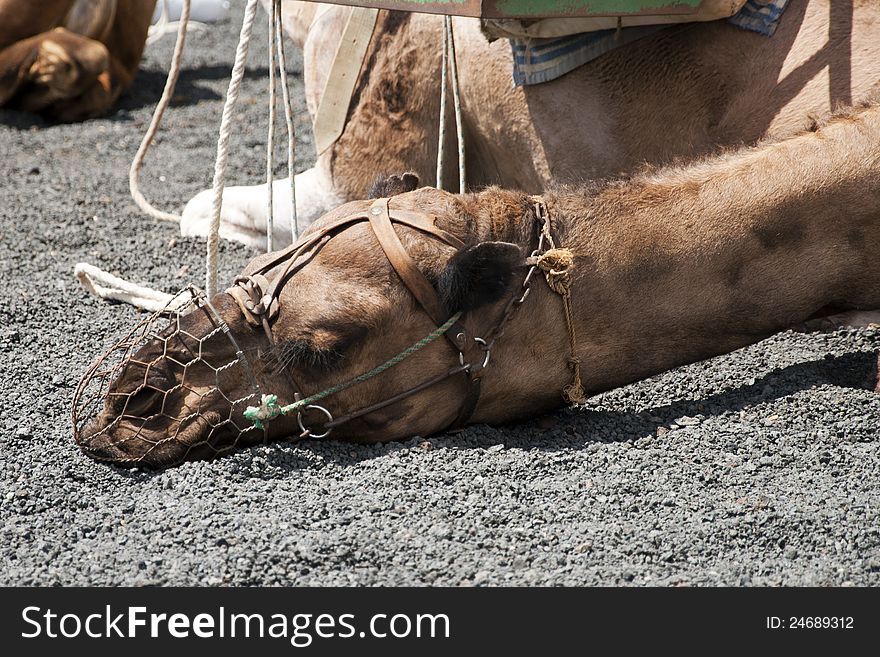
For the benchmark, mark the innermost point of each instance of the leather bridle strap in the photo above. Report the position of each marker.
(409, 273)
(297, 255)
(342, 419)
(424, 293)
(417, 220)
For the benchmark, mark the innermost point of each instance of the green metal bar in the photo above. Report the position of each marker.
(552, 8)
(533, 8)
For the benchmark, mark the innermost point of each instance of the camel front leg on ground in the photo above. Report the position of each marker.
(848, 319)
(244, 210)
(58, 73)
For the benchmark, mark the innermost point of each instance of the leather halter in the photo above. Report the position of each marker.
(258, 298)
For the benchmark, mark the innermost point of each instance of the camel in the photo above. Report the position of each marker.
(677, 95)
(70, 59)
(670, 266)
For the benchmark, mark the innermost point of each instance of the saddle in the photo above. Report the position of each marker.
(668, 13)
(546, 49)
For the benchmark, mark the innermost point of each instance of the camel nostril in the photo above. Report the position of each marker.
(145, 402)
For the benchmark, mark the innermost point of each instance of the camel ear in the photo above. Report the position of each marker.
(479, 275)
(388, 186)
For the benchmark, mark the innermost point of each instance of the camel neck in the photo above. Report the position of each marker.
(692, 262)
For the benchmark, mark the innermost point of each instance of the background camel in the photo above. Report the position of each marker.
(677, 94)
(70, 59)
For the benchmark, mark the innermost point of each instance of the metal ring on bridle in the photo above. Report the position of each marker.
(481, 341)
(488, 351)
(299, 421)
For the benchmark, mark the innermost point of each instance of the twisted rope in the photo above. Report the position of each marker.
(276, 51)
(456, 103)
(269, 408)
(167, 93)
(449, 62)
(557, 265)
(270, 137)
(105, 285)
(244, 40)
(288, 117)
(441, 131)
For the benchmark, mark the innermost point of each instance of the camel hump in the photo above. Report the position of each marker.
(91, 18)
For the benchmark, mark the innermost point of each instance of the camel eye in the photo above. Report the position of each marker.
(304, 354)
(327, 347)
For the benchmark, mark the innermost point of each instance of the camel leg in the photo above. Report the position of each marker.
(20, 20)
(243, 215)
(15, 63)
(58, 73)
(848, 319)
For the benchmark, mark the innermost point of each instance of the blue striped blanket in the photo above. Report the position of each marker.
(542, 60)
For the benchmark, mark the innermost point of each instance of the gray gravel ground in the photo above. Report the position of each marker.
(758, 468)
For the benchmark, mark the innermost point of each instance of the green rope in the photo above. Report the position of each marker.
(269, 407)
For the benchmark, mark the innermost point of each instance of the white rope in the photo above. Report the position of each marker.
(288, 116)
(107, 286)
(161, 106)
(441, 132)
(250, 13)
(448, 61)
(270, 137)
(276, 52)
(456, 101)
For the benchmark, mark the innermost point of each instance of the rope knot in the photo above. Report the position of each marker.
(557, 265)
(267, 410)
(574, 393)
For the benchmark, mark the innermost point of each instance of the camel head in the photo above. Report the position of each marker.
(180, 392)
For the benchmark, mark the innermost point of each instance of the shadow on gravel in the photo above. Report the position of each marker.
(21, 120)
(856, 369)
(148, 86)
(570, 428)
(145, 92)
(853, 370)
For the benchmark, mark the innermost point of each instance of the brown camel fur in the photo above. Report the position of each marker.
(673, 96)
(70, 59)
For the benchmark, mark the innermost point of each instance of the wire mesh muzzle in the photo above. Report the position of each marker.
(161, 394)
